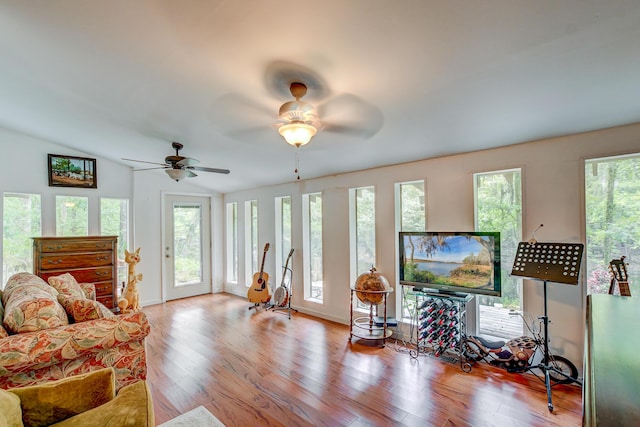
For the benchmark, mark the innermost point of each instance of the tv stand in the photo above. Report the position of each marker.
(441, 324)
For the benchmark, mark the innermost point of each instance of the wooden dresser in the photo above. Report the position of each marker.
(90, 259)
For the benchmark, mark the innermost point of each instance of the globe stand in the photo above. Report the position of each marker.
(364, 327)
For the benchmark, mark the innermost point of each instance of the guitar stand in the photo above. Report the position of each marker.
(282, 308)
(286, 307)
(256, 306)
(555, 262)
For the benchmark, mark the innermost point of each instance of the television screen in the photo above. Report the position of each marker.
(455, 262)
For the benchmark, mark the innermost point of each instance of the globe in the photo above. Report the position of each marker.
(371, 281)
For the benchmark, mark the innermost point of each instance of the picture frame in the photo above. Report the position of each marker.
(72, 171)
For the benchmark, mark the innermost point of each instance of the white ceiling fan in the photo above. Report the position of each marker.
(179, 167)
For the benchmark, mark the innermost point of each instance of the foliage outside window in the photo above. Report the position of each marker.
(612, 203)
(498, 206)
(187, 243)
(232, 242)
(72, 216)
(252, 263)
(114, 221)
(21, 222)
(411, 216)
(363, 235)
(312, 241)
(283, 233)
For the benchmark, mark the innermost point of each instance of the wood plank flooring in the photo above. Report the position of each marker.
(253, 368)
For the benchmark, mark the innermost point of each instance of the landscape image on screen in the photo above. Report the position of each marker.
(457, 261)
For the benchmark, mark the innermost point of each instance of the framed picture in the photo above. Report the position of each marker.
(70, 171)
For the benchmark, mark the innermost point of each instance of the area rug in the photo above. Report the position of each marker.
(198, 417)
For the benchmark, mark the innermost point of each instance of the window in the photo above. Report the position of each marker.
(114, 221)
(362, 236)
(283, 233)
(612, 203)
(498, 207)
(413, 215)
(187, 243)
(312, 245)
(410, 216)
(251, 238)
(232, 242)
(21, 221)
(72, 216)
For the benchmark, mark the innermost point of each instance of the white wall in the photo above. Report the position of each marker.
(553, 188)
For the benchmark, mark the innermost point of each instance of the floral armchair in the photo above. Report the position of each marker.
(50, 353)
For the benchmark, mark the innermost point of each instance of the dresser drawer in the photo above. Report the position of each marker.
(75, 245)
(107, 301)
(90, 275)
(104, 289)
(64, 261)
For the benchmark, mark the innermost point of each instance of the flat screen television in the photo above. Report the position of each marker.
(451, 262)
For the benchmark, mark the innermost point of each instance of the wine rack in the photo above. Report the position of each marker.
(441, 325)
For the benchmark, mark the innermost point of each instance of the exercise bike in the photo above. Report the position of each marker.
(519, 354)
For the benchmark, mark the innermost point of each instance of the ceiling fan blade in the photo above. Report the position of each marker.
(357, 129)
(205, 169)
(190, 173)
(151, 163)
(187, 161)
(349, 114)
(232, 112)
(149, 169)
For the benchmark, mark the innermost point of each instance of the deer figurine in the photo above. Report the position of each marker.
(130, 299)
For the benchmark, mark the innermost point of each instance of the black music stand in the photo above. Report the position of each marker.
(548, 262)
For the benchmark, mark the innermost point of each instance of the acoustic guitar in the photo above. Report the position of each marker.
(259, 291)
(618, 270)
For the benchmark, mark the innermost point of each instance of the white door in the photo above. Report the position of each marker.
(187, 246)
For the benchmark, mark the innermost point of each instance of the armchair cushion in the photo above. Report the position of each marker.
(82, 309)
(49, 403)
(67, 284)
(10, 410)
(132, 406)
(30, 308)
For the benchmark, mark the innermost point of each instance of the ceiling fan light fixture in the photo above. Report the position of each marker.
(297, 134)
(176, 174)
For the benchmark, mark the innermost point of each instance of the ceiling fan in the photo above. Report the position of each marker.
(179, 167)
(297, 121)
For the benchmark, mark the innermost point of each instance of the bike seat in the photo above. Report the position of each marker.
(489, 344)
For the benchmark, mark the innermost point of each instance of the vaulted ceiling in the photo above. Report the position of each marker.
(395, 81)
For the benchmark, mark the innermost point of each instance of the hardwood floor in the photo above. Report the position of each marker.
(253, 368)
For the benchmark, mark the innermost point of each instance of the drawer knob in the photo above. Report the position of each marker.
(101, 258)
(54, 262)
(54, 247)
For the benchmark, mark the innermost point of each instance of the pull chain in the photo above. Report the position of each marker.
(297, 169)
